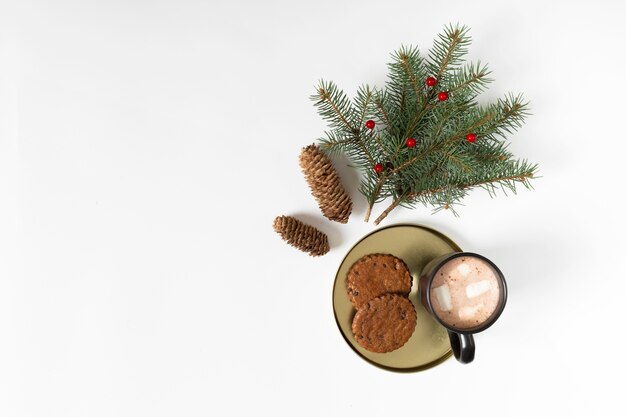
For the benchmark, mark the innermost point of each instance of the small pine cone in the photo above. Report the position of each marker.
(325, 184)
(302, 236)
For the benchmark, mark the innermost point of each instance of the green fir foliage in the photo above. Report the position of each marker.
(443, 165)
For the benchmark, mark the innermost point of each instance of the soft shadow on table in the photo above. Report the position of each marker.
(317, 220)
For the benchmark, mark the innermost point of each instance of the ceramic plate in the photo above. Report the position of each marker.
(416, 245)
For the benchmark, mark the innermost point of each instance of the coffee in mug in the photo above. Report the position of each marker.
(466, 293)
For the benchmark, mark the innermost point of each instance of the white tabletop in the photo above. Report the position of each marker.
(146, 147)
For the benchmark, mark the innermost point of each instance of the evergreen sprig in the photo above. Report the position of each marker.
(442, 166)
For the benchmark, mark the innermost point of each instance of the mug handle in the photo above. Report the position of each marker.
(463, 346)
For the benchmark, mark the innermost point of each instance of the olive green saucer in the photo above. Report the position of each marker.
(416, 245)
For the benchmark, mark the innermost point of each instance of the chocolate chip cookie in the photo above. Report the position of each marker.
(384, 324)
(377, 274)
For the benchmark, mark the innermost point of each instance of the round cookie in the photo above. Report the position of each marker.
(385, 323)
(377, 274)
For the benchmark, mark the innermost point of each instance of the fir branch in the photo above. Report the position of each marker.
(362, 102)
(371, 186)
(512, 110)
(406, 73)
(508, 180)
(442, 165)
(415, 159)
(380, 106)
(334, 143)
(503, 117)
(458, 162)
(472, 77)
(334, 106)
(498, 119)
(411, 63)
(416, 120)
(380, 144)
(490, 151)
(506, 115)
(448, 50)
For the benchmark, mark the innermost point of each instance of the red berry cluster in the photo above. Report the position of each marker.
(431, 82)
(411, 142)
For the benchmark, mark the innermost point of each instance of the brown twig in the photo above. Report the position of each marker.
(371, 202)
(388, 210)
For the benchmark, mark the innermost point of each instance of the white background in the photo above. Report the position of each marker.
(146, 147)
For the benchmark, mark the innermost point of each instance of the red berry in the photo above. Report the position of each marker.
(431, 81)
(471, 138)
(443, 96)
(370, 124)
(410, 142)
(378, 168)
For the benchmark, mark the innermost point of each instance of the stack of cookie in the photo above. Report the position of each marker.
(378, 286)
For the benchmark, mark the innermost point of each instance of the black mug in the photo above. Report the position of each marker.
(461, 338)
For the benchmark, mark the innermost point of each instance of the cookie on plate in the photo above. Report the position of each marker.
(377, 274)
(384, 324)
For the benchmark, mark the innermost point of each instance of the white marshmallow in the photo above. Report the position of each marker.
(464, 269)
(468, 312)
(477, 288)
(442, 294)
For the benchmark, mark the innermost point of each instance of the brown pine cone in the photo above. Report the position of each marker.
(325, 184)
(302, 236)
